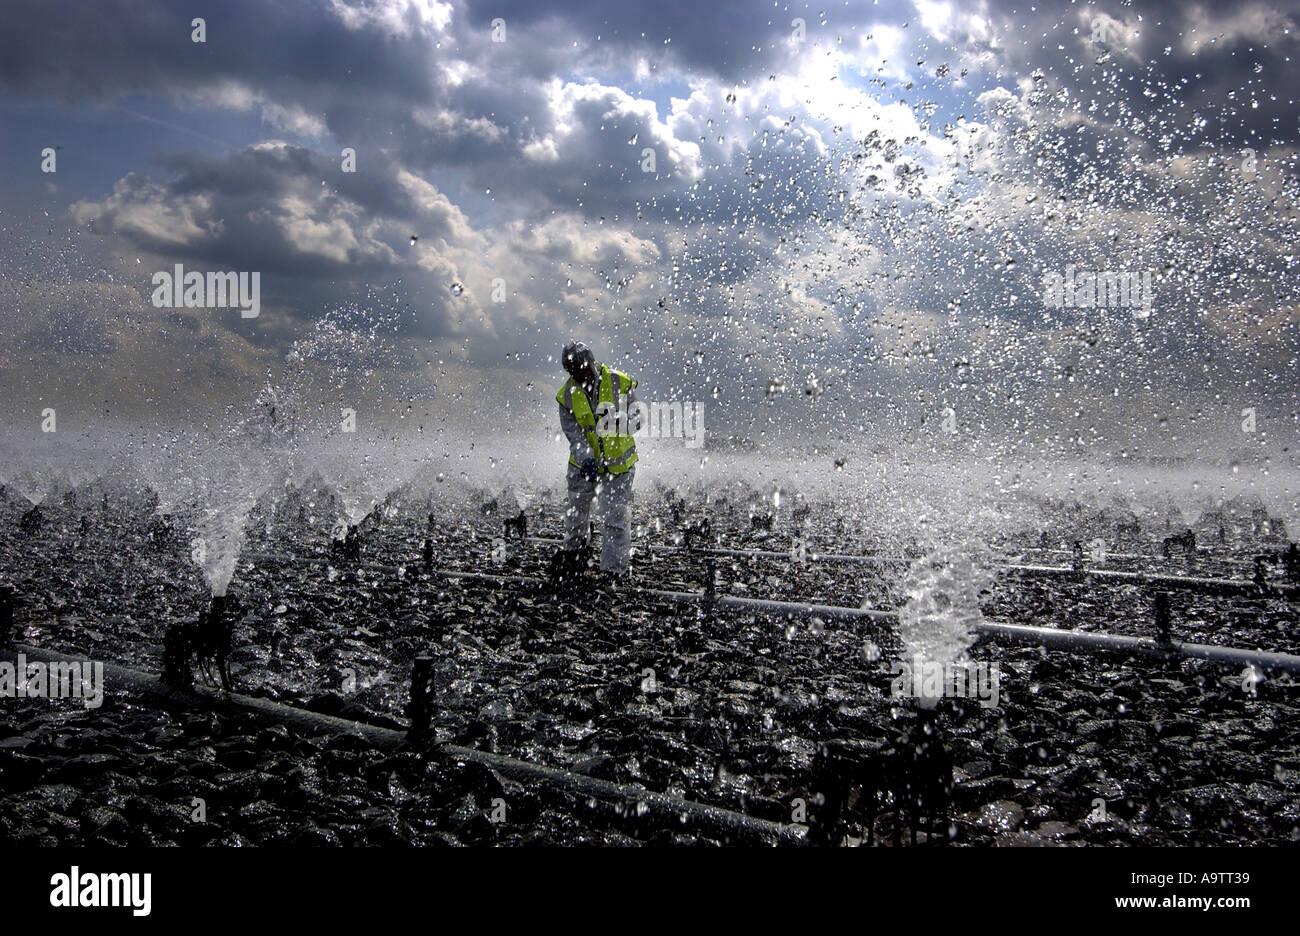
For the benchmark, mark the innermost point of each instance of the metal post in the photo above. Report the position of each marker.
(420, 711)
(176, 657)
(1261, 574)
(1164, 620)
(6, 615)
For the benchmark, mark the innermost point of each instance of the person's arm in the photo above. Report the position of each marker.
(579, 447)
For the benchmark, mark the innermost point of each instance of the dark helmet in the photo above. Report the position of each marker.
(577, 358)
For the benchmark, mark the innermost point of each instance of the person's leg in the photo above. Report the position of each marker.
(577, 511)
(615, 512)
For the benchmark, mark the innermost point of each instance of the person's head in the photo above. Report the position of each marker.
(580, 362)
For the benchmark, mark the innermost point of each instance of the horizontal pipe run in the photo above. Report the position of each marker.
(1061, 639)
(812, 555)
(1202, 553)
(414, 568)
(769, 606)
(1051, 637)
(1161, 580)
(1158, 579)
(758, 605)
(685, 812)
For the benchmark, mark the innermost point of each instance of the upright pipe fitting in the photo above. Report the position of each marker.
(420, 711)
(1164, 620)
(7, 633)
(1291, 562)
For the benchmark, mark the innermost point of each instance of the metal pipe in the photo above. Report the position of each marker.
(1203, 553)
(770, 606)
(1052, 637)
(812, 555)
(760, 605)
(684, 812)
(1185, 582)
(420, 709)
(1058, 638)
(1160, 580)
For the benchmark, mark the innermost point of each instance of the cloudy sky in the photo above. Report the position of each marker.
(857, 203)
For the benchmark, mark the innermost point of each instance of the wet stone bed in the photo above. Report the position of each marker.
(722, 708)
(141, 776)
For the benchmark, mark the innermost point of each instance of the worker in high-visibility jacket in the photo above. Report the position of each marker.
(599, 414)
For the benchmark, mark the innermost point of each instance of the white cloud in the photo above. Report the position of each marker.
(396, 17)
(142, 209)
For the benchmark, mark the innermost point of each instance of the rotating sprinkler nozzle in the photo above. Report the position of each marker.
(697, 532)
(32, 520)
(858, 781)
(347, 548)
(517, 525)
(1186, 541)
(206, 643)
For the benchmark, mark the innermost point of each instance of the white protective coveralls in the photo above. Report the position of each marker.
(613, 493)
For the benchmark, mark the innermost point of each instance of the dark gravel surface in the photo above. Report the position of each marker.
(723, 708)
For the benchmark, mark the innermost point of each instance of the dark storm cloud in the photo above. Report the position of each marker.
(265, 174)
(71, 51)
(266, 207)
(749, 230)
(732, 39)
(432, 97)
(322, 239)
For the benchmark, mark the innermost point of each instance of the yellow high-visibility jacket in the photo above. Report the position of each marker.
(614, 448)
